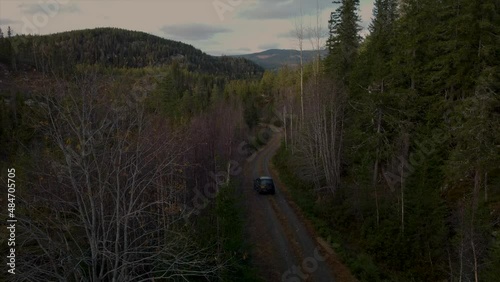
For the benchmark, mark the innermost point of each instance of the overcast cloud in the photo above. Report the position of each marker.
(240, 27)
(4, 22)
(280, 9)
(48, 7)
(269, 46)
(193, 32)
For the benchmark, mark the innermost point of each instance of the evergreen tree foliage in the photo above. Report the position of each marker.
(112, 47)
(344, 39)
(5, 51)
(421, 141)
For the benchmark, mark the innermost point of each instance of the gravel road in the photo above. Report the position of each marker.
(284, 248)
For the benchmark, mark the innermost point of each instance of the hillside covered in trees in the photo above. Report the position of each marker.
(275, 59)
(391, 148)
(114, 137)
(113, 47)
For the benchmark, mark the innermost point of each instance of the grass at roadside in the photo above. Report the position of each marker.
(360, 264)
(224, 234)
(230, 216)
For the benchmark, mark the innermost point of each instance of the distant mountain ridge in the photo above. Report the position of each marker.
(274, 59)
(114, 47)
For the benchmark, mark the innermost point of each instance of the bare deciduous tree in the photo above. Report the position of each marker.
(301, 34)
(316, 34)
(105, 203)
(320, 141)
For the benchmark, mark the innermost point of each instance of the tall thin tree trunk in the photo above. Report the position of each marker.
(486, 187)
(291, 129)
(13, 102)
(375, 166)
(299, 33)
(402, 199)
(374, 183)
(404, 161)
(333, 117)
(301, 85)
(462, 241)
(318, 39)
(339, 150)
(327, 156)
(475, 196)
(118, 223)
(413, 75)
(285, 126)
(450, 265)
(476, 278)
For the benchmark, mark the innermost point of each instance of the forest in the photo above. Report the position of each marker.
(114, 47)
(121, 169)
(393, 142)
(391, 148)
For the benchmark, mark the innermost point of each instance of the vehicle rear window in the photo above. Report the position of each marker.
(266, 181)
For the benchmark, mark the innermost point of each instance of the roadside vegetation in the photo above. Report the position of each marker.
(126, 173)
(392, 144)
(128, 157)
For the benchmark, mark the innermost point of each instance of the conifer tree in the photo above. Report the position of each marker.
(344, 39)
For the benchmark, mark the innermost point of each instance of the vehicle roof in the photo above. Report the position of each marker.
(265, 177)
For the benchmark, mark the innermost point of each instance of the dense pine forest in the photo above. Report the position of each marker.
(395, 144)
(130, 148)
(113, 47)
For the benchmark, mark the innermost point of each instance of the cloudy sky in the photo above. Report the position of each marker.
(214, 26)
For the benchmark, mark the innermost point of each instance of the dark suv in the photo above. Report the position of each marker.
(264, 185)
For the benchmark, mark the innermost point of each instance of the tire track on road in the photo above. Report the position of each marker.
(289, 248)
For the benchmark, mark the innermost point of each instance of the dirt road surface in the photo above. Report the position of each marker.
(284, 246)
